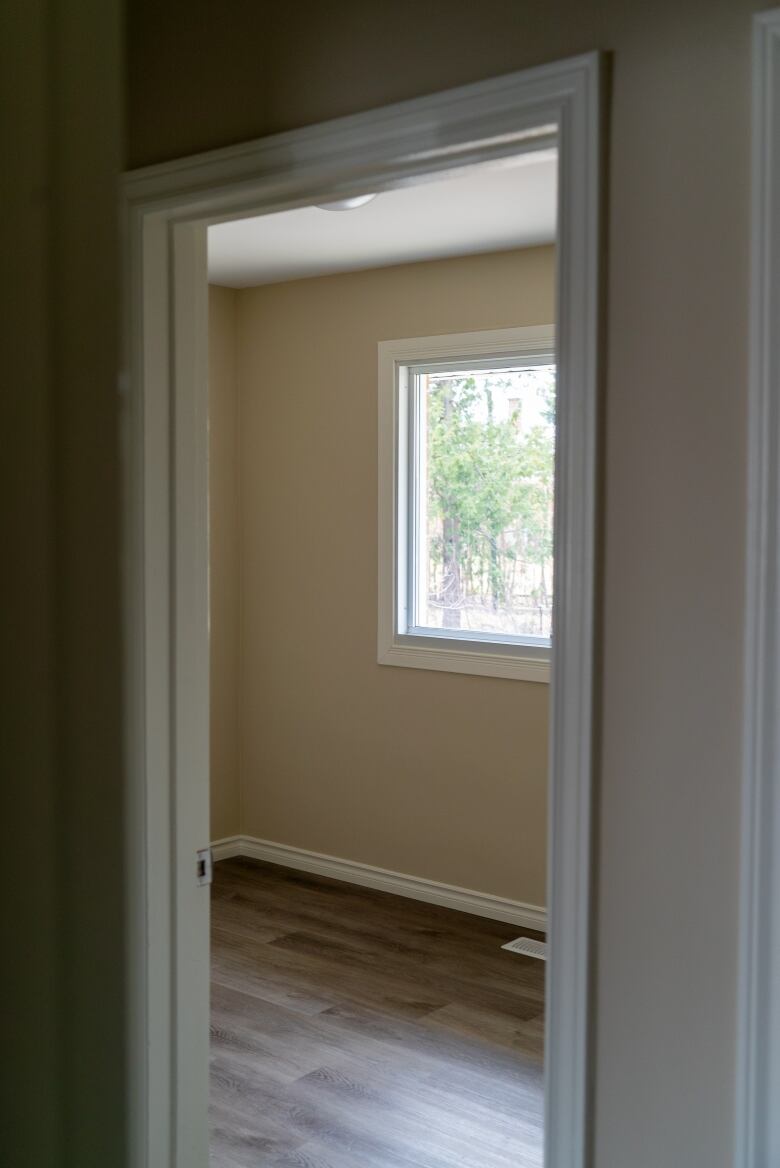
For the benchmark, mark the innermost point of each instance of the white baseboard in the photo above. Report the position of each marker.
(228, 847)
(482, 904)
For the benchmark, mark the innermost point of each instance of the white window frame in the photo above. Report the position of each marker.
(485, 654)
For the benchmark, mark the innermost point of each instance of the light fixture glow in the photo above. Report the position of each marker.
(346, 204)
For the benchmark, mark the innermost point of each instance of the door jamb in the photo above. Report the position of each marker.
(757, 1128)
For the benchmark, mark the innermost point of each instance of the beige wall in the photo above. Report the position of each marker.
(433, 774)
(224, 599)
(673, 469)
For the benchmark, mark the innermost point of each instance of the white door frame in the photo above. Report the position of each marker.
(167, 209)
(758, 1023)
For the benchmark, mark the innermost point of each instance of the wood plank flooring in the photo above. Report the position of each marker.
(356, 1029)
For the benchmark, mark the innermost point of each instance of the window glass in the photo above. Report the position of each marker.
(483, 524)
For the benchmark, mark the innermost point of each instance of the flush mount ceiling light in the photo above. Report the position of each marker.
(346, 204)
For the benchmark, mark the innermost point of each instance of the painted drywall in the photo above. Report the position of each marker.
(436, 775)
(224, 603)
(62, 795)
(671, 568)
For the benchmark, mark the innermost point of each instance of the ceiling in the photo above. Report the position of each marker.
(489, 208)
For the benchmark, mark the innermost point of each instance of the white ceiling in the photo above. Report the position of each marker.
(490, 208)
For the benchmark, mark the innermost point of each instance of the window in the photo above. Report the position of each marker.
(467, 446)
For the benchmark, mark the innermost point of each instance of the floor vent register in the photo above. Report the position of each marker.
(528, 947)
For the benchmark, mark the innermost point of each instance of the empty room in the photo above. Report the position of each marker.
(382, 432)
(379, 819)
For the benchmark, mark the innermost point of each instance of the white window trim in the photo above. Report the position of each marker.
(477, 654)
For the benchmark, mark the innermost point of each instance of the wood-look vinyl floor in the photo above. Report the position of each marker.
(356, 1029)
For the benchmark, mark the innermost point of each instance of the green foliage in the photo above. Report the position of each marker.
(490, 489)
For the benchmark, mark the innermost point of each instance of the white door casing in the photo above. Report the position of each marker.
(166, 212)
(758, 1019)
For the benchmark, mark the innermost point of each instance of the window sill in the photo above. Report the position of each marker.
(512, 664)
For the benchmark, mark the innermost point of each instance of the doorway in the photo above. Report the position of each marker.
(375, 851)
(169, 209)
